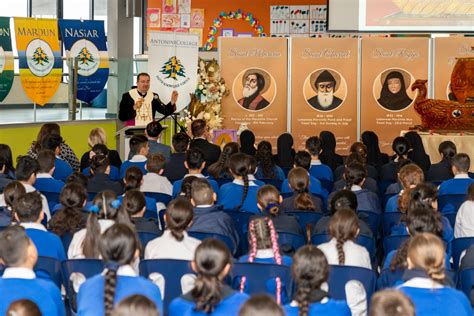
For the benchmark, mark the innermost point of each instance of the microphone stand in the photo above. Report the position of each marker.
(176, 123)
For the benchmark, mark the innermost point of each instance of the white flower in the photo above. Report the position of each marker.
(204, 91)
(201, 87)
(207, 116)
(211, 69)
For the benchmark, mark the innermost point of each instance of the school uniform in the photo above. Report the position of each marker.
(366, 200)
(389, 171)
(231, 193)
(75, 248)
(154, 147)
(391, 254)
(431, 298)
(147, 225)
(62, 169)
(320, 171)
(285, 223)
(392, 205)
(113, 155)
(90, 300)
(47, 244)
(150, 204)
(153, 182)
(136, 161)
(320, 304)
(394, 188)
(44, 202)
(371, 172)
(211, 151)
(457, 185)
(278, 173)
(440, 171)
(167, 247)
(322, 227)
(21, 283)
(174, 168)
(369, 184)
(177, 184)
(315, 187)
(229, 305)
(288, 204)
(464, 225)
(101, 182)
(46, 183)
(211, 219)
(4, 181)
(114, 173)
(355, 255)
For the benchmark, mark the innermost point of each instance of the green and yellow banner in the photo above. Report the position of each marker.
(6, 58)
(40, 57)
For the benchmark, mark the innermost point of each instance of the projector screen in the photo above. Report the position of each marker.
(401, 15)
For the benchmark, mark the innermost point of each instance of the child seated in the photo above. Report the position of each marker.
(134, 204)
(443, 170)
(11, 193)
(175, 169)
(261, 304)
(100, 179)
(301, 200)
(318, 169)
(464, 226)
(220, 169)
(101, 149)
(154, 181)
(133, 180)
(62, 169)
(19, 281)
(267, 169)
(409, 176)
(355, 175)
(44, 178)
(391, 303)
(138, 152)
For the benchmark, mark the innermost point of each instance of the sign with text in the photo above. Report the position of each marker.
(6, 58)
(255, 70)
(324, 89)
(389, 68)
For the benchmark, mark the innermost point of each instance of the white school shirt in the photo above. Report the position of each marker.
(19, 273)
(138, 158)
(167, 247)
(153, 182)
(75, 248)
(464, 225)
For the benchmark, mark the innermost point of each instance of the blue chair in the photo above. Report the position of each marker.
(466, 281)
(385, 199)
(91, 195)
(306, 217)
(340, 275)
(286, 170)
(49, 268)
(382, 186)
(257, 275)
(371, 218)
(159, 197)
(146, 237)
(275, 182)
(388, 278)
(458, 245)
(364, 241)
(225, 239)
(159, 216)
(393, 242)
(87, 267)
(327, 184)
(451, 218)
(66, 241)
(222, 181)
(241, 220)
(450, 203)
(389, 220)
(290, 242)
(52, 197)
(172, 271)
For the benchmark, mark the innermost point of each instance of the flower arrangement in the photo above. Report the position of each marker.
(206, 101)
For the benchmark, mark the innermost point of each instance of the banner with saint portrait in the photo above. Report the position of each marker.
(324, 89)
(256, 71)
(447, 50)
(389, 67)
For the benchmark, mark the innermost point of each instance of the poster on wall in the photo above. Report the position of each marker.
(256, 73)
(324, 89)
(85, 40)
(40, 57)
(446, 52)
(172, 65)
(389, 68)
(6, 58)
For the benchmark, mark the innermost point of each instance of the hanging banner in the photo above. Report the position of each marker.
(85, 40)
(446, 52)
(40, 57)
(324, 89)
(6, 58)
(256, 71)
(172, 64)
(389, 67)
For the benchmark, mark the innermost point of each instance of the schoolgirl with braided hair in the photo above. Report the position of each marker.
(119, 247)
(210, 296)
(426, 276)
(220, 169)
(267, 169)
(133, 181)
(355, 175)
(104, 212)
(100, 179)
(241, 193)
(264, 248)
(301, 200)
(310, 270)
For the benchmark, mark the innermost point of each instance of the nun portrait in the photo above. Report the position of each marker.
(393, 95)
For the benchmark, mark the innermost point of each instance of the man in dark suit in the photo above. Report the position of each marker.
(175, 169)
(200, 132)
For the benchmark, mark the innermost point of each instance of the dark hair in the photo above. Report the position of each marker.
(220, 168)
(461, 162)
(298, 180)
(343, 199)
(186, 187)
(133, 202)
(313, 145)
(417, 152)
(328, 154)
(12, 192)
(201, 192)
(285, 150)
(25, 167)
(210, 259)
(180, 142)
(343, 226)
(269, 199)
(13, 245)
(118, 245)
(371, 141)
(142, 74)
(198, 127)
(28, 207)
(423, 196)
(400, 146)
(137, 142)
(261, 305)
(133, 178)
(155, 163)
(470, 192)
(239, 166)
(108, 209)
(194, 158)
(99, 164)
(154, 129)
(391, 303)
(354, 157)
(46, 130)
(354, 174)
(359, 148)
(447, 149)
(247, 142)
(77, 177)
(303, 159)
(409, 176)
(264, 158)
(100, 149)
(46, 159)
(136, 304)
(260, 80)
(179, 214)
(69, 219)
(310, 269)
(252, 164)
(23, 307)
(52, 142)
(6, 159)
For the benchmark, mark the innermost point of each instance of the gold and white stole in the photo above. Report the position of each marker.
(144, 113)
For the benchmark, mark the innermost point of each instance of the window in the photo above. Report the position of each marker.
(76, 9)
(44, 8)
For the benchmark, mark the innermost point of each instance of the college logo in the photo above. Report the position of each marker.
(88, 57)
(2, 59)
(40, 58)
(173, 69)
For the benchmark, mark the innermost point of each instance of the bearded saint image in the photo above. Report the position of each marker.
(255, 83)
(325, 86)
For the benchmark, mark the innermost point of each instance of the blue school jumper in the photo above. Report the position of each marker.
(48, 185)
(62, 169)
(127, 164)
(177, 186)
(150, 203)
(392, 253)
(321, 171)
(47, 244)
(367, 201)
(90, 300)
(392, 205)
(114, 174)
(43, 293)
(455, 186)
(231, 193)
(329, 308)
(228, 306)
(278, 174)
(315, 187)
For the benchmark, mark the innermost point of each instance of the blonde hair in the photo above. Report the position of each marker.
(426, 252)
(97, 136)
